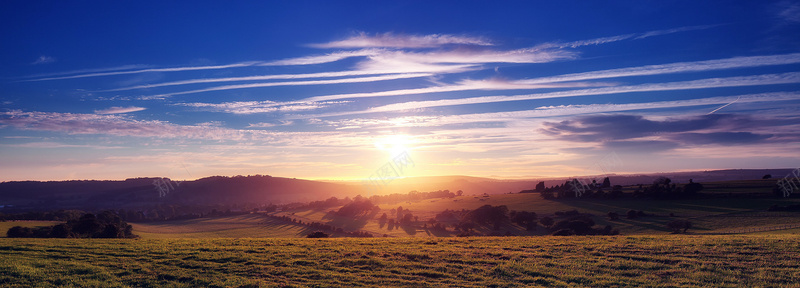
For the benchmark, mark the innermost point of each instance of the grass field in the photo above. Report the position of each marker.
(709, 216)
(240, 226)
(608, 261)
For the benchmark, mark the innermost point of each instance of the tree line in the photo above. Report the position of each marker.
(106, 224)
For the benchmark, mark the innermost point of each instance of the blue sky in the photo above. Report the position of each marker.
(334, 90)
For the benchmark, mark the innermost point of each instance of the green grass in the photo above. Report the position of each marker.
(240, 226)
(612, 261)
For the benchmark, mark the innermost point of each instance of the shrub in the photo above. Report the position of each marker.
(678, 225)
(19, 232)
(317, 234)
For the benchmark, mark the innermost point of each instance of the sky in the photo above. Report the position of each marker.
(338, 90)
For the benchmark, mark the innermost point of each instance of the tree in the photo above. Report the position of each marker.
(87, 225)
(407, 219)
(317, 234)
(61, 231)
(692, 188)
(678, 225)
(662, 181)
(19, 232)
(489, 214)
(606, 183)
(459, 193)
(540, 187)
(110, 231)
(547, 195)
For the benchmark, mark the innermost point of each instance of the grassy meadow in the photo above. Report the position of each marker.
(254, 250)
(708, 215)
(590, 261)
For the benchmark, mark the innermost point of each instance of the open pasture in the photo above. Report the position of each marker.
(608, 261)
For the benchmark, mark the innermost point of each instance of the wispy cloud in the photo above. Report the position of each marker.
(269, 125)
(251, 107)
(122, 126)
(44, 60)
(176, 69)
(681, 67)
(768, 79)
(119, 110)
(364, 40)
(637, 131)
(548, 112)
(789, 11)
(491, 84)
(51, 145)
(610, 39)
(431, 69)
(320, 59)
(596, 41)
(117, 125)
(674, 30)
(294, 83)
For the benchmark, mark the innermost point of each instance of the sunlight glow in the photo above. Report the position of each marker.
(394, 144)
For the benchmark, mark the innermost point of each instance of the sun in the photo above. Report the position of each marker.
(394, 144)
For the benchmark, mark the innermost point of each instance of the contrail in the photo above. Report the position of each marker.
(723, 106)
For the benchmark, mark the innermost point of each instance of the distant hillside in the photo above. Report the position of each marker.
(138, 192)
(477, 185)
(258, 189)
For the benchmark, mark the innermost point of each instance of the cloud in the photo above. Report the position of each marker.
(251, 107)
(674, 30)
(767, 79)
(551, 111)
(789, 12)
(321, 59)
(116, 125)
(294, 83)
(640, 146)
(269, 125)
(631, 131)
(610, 39)
(383, 70)
(596, 41)
(176, 69)
(44, 60)
(51, 145)
(681, 67)
(491, 84)
(721, 138)
(364, 40)
(119, 110)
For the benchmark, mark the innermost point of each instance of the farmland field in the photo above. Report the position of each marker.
(240, 226)
(608, 261)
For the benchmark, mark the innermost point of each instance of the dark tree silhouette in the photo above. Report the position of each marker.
(678, 225)
(606, 183)
(317, 234)
(540, 187)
